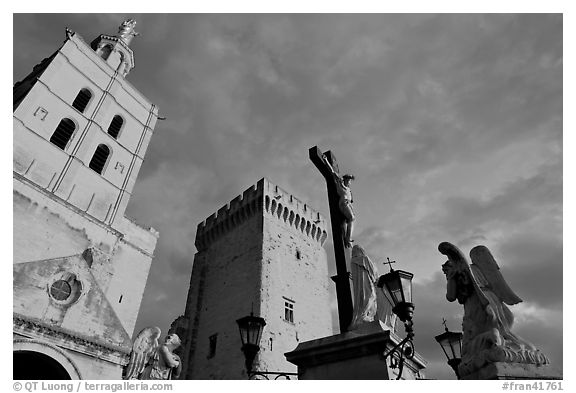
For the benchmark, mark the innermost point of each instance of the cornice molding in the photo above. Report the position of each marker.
(68, 339)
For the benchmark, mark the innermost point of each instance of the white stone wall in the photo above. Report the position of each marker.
(44, 229)
(66, 173)
(247, 255)
(94, 368)
(62, 207)
(224, 285)
(294, 268)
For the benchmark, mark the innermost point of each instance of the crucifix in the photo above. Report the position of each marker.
(328, 166)
(389, 263)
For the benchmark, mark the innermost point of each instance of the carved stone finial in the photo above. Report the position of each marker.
(126, 31)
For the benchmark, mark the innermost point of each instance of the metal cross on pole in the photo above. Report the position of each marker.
(389, 263)
(342, 280)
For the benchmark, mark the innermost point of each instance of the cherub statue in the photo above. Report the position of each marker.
(345, 203)
(487, 321)
(126, 30)
(150, 360)
(364, 277)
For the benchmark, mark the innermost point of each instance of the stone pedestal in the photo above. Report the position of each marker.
(352, 355)
(502, 370)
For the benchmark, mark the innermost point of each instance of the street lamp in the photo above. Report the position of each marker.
(251, 328)
(398, 284)
(451, 343)
(250, 333)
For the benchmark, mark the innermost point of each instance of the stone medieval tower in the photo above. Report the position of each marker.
(81, 131)
(262, 252)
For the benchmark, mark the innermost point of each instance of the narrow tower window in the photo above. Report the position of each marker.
(115, 126)
(213, 339)
(63, 133)
(288, 310)
(99, 158)
(82, 99)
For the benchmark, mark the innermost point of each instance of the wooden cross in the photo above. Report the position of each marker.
(343, 291)
(389, 263)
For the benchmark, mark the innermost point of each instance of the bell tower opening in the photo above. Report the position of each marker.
(31, 365)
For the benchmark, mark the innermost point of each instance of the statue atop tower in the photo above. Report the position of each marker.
(126, 31)
(115, 50)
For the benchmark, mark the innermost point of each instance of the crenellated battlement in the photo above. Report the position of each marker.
(295, 213)
(262, 197)
(229, 216)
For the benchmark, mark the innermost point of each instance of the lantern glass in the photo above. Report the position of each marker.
(398, 283)
(406, 281)
(451, 343)
(395, 291)
(251, 329)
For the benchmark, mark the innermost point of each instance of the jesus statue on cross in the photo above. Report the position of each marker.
(345, 202)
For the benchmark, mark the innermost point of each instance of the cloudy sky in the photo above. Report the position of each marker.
(452, 125)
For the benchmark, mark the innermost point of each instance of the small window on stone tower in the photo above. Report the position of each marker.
(298, 254)
(99, 158)
(82, 99)
(213, 339)
(288, 310)
(63, 133)
(115, 126)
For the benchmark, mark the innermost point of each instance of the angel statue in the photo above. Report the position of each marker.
(364, 277)
(487, 322)
(150, 360)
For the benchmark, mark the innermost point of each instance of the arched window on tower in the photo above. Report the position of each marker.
(99, 158)
(115, 126)
(105, 52)
(63, 133)
(82, 99)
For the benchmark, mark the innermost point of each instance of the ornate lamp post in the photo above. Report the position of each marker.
(251, 328)
(451, 343)
(398, 284)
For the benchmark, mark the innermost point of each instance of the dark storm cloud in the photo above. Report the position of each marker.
(534, 269)
(431, 308)
(550, 343)
(520, 200)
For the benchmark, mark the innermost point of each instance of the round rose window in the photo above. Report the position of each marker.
(60, 290)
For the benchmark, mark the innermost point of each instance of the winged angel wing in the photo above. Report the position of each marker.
(487, 273)
(144, 345)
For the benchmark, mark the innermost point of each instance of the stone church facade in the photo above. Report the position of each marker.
(262, 253)
(81, 132)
